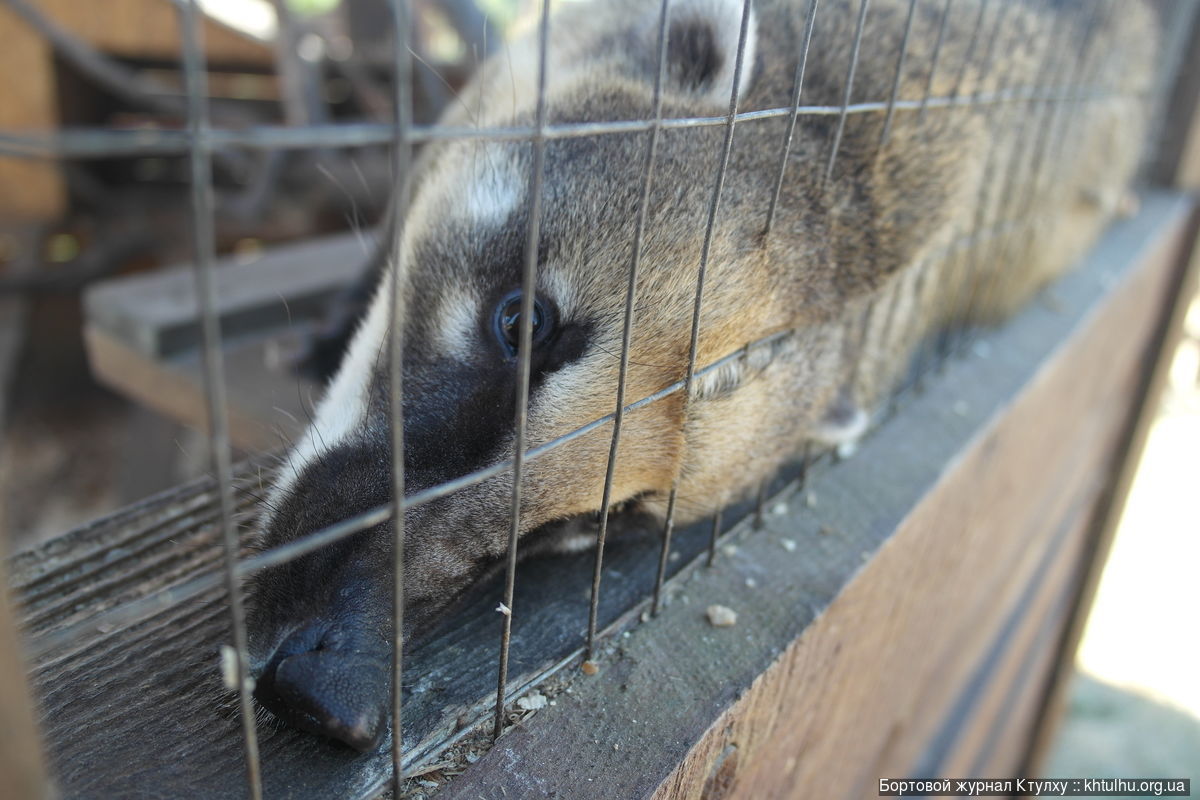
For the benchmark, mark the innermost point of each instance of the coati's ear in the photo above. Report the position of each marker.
(702, 47)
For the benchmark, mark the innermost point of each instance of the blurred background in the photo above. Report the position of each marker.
(100, 394)
(67, 225)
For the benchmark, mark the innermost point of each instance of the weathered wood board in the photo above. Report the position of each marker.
(143, 335)
(893, 619)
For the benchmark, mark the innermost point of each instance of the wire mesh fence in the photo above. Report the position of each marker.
(1043, 98)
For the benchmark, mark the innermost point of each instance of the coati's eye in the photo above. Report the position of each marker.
(508, 321)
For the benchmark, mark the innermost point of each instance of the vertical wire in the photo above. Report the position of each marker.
(891, 109)
(932, 352)
(841, 124)
(1072, 104)
(897, 285)
(627, 331)
(196, 84)
(713, 207)
(402, 183)
(1009, 180)
(714, 535)
(528, 290)
(760, 503)
(797, 88)
(959, 290)
(1056, 110)
(972, 44)
(999, 249)
(664, 553)
(867, 317)
(935, 58)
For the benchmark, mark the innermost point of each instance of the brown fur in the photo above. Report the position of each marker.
(959, 218)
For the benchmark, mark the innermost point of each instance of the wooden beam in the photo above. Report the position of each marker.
(1153, 381)
(1177, 164)
(29, 190)
(156, 313)
(143, 335)
(150, 29)
(21, 761)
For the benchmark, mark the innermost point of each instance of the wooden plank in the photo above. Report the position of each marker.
(141, 688)
(150, 29)
(143, 335)
(29, 190)
(1153, 382)
(786, 706)
(156, 313)
(21, 761)
(1177, 164)
(267, 405)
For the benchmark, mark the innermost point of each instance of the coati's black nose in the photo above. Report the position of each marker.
(316, 685)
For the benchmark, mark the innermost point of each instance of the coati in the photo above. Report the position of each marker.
(958, 215)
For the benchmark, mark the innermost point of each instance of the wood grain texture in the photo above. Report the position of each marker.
(29, 190)
(21, 764)
(870, 612)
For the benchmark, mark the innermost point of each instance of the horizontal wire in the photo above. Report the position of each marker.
(103, 142)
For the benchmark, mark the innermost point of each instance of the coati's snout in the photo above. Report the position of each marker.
(320, 626)
(316, 682)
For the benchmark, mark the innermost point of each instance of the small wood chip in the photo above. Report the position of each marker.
(721, 616)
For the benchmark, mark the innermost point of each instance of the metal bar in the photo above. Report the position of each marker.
(104, 143)
(627, 331)
(402, 188)
(713, 207)
(841, 124)
(891, 109)
(714, 535)
(528, 291)
(664, 554)
(959, 290)
(972, 44)
(196, 82)
(1023, 165)
(935, 59)
(760, 504)
(797, 88)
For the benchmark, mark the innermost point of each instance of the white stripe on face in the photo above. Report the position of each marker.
(344, 406)
(493, 188)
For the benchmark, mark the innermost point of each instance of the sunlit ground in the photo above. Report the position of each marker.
(1135, 704)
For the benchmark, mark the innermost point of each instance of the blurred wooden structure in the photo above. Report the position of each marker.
(139, 29)
(143, 336)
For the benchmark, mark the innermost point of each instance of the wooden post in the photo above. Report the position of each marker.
(22, 773)
(1177, 163)
(1159, 355)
